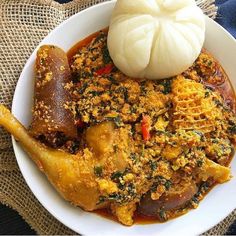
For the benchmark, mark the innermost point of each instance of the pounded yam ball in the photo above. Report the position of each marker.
(155, 39)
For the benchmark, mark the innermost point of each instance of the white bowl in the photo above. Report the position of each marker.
(216, 205)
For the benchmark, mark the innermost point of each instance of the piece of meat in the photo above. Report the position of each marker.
(72, 175)
(211, 169)
(52, 121)
(100, 137)
(176, 197)
(124, 213)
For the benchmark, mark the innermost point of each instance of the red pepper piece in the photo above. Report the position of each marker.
(145, 125)
(105, 70)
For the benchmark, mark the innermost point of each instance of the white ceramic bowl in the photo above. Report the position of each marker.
(216, 205)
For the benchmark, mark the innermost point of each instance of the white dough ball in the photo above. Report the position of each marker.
(155, 39)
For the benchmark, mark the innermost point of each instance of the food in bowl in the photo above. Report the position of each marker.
(152, 148)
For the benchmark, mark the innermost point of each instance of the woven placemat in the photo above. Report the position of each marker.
(23, 24)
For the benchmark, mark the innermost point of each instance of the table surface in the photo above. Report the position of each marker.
(11, 222)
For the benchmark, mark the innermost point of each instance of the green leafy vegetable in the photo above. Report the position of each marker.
(98, 171)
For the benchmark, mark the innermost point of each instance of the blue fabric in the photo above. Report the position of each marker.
(227, 15)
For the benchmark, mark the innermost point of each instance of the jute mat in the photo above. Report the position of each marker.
(23, 24)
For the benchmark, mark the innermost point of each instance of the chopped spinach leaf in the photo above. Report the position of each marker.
(101, 200)
(162, 215)
(116, 175)
(98, 171)
(199, 163)
(207, 94)
(117, 120)
(95, 93)
(99, 37)
(134, 157)
(168, 184)
(232, 129)
(166, 86)
(153, 165)
(83, 87)
(106, 56)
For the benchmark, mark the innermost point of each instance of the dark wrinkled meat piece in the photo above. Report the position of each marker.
(51, 116)
(176, 197)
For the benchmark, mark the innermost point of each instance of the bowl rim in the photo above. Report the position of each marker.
(14, 102)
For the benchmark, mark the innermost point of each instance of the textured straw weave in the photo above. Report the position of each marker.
(23, 24)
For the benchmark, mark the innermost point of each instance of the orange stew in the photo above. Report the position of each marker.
(166, 139)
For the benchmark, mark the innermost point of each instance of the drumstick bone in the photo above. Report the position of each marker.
(72, 175)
